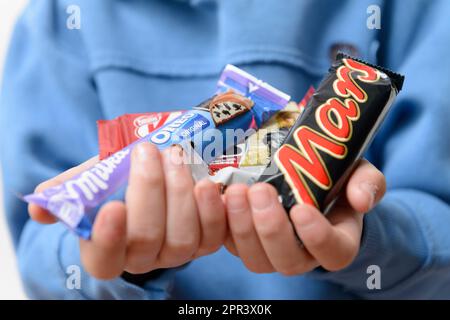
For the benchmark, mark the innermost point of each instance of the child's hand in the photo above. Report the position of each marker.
(263, 237)
(165, 221)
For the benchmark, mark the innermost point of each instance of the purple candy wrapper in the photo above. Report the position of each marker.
(74, 202)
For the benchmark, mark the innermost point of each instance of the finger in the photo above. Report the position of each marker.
(276, 233)
(231, 247)
(104, 255)
(365, 187)
(334, 247)
(183, 226)
(146, 208)
(212, 217)
(243, 232)
(41, 215)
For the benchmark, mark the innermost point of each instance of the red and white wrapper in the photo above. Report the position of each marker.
(116, 134)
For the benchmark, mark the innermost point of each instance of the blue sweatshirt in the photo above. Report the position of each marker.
(136, 56)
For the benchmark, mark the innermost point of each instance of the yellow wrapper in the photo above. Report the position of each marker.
(257, 150)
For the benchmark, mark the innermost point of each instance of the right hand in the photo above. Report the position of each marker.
(164, 222)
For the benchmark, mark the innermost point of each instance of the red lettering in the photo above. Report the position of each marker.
(304, 164)
(370, 74)
(345, 85)
(306, 161)
(344, 114)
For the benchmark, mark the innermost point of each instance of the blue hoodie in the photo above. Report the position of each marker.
(135, 56)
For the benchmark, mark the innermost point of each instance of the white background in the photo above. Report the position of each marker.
(10, 286)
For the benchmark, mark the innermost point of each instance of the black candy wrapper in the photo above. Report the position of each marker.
(332, 134)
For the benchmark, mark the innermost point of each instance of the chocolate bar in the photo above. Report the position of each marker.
(74, 201)
(226, 106)
(333, 132)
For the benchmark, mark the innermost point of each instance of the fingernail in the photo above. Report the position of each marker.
(142, 152)
(173, 157)
(371, 190)
(142, 165)
(260, 198)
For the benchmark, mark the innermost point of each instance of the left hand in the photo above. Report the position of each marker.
(263, 237)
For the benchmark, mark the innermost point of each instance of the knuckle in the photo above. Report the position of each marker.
(269, 229)
(145, 239)
(179, 184)
(213, 221)
(269, 232)
(318, 240)
(153, 177)
(203, 186)
(184, 249)
(243, 234)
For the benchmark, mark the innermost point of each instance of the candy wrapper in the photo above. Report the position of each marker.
(259, 146)
(333, 132)
(249, 159)
(242, 102)
(256, 151)
(116, 134)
